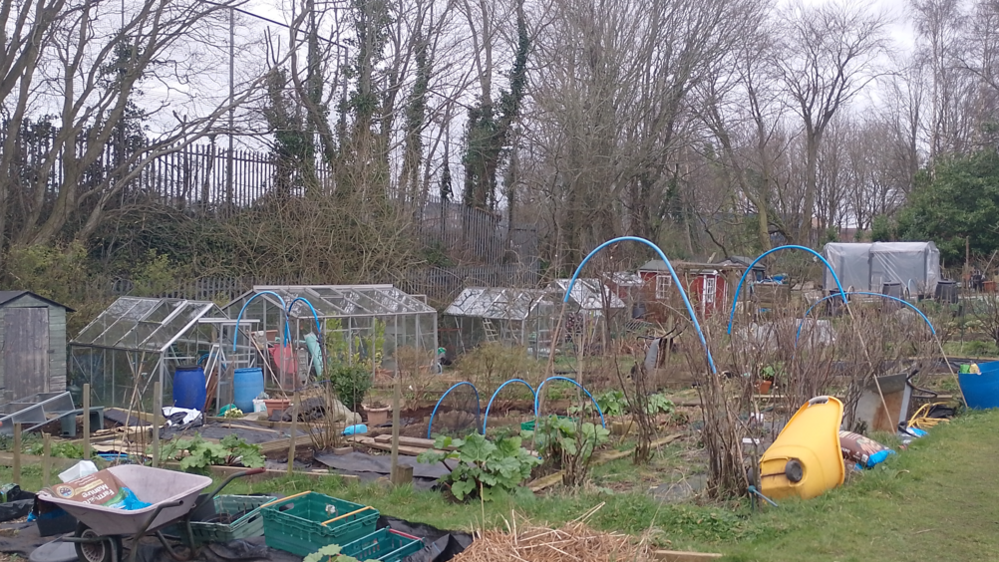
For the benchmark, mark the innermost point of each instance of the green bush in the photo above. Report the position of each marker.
(351, 384)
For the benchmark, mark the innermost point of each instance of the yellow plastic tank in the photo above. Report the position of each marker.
(806, 459)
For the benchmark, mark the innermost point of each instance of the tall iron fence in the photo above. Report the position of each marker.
(440, 285)
(206, 178)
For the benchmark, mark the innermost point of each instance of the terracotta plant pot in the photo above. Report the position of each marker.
(377, 416)
(276, 405)
(764, 387)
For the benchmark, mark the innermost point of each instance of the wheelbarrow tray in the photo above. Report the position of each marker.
(153, 485)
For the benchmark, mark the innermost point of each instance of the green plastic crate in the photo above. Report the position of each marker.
(251, 524)
(387, 545)
(304, 523)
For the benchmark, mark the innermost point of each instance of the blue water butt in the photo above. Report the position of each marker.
(189, 388)
(981, 391)
(247, 384)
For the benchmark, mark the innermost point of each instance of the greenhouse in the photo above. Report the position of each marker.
(138, 341)
(369, 324)
(516, 317)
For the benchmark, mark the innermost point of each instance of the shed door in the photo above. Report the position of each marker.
(25, 351)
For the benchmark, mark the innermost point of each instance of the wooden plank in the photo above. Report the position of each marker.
(683, 556)
(405, 450)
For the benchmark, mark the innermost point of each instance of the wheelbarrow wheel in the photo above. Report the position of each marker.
(107, 549)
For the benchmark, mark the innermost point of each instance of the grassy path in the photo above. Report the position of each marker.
(938, 501)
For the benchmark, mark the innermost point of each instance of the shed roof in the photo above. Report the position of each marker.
(144, 324)
(497, 303)
(586, 293)
(660, 265)
(10, 296)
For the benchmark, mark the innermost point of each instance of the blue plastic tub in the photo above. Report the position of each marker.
(247, 384)
(981, 391)
(189, 388)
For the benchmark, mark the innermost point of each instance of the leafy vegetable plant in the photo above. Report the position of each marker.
(483, 465)
(330, 553)
(567, 445)
(201, 454)
(612, 403)
(659, 404)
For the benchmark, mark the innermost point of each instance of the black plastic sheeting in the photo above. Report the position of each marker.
(439, 546)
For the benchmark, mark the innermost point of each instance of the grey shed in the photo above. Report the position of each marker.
(32, 345)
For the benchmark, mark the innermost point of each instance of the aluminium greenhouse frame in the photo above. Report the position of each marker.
(135, 341)
(510, 316)
(351, 318)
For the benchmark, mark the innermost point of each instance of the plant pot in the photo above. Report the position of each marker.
(276, 405)
(377, 416)
(764, 386)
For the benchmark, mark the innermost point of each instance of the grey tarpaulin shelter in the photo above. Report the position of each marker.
(357, 321)
(520, 317)
(137, 341)
(914, 266)
(32, 345)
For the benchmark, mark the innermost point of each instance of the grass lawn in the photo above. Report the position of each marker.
(936, 501)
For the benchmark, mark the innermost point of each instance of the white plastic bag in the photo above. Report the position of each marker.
(78, 470)
(259, 405)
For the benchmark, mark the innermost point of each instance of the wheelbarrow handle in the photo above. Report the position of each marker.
(211, 496)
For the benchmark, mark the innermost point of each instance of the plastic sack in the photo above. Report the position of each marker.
(78, 470)
(861, 450)
(259, 405)
(127, 501)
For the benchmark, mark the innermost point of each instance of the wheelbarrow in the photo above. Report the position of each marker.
(174, 498)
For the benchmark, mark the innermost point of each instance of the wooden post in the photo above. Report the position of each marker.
(294, 430)
(46, 460)
(86, 421)
(17, 453)
(157, 411)
(395, 475)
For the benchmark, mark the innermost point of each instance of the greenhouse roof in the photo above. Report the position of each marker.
(497, 303)
(144, 324)
(586, 293)
(337, 301)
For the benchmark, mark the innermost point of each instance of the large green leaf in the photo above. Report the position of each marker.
(476, 449)
(462, 488)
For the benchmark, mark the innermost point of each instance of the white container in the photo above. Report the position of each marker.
(259, 405)
(78, 470)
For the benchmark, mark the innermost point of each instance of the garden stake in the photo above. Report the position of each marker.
(157, 408)
(294, 432)
(46, 460)
(17, 453)
(86, 421)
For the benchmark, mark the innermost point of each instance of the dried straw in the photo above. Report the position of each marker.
(573, 542)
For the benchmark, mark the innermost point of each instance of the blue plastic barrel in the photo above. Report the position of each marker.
(189, 388)
(981, 391)
(247, 384)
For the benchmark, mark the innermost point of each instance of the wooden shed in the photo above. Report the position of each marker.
(32, 345)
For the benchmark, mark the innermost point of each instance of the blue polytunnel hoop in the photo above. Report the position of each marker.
(287, 330)
(485, 417)
(669, 266)
(735, 298)
(478, 405)
(537, 396)
(868, 293)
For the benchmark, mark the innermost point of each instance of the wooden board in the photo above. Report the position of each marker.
(683, 556)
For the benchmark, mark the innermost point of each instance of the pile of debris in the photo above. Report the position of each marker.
(574, 541)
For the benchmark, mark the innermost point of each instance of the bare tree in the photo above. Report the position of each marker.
(829, 54)
(88, 72)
